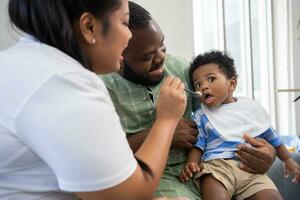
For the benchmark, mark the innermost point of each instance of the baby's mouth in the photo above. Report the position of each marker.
(208, 98)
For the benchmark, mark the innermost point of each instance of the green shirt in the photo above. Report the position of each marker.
(135, 107)
(137, 113)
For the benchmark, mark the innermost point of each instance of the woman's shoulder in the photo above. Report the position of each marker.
(30, 54)
(31, 66)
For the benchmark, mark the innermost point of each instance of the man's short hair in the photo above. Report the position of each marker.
(139, 16)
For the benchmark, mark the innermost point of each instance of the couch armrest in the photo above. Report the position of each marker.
(287, 189)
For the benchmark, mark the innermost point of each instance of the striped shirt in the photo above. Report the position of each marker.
(215, 146)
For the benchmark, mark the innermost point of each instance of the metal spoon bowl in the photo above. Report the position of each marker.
(196, 94)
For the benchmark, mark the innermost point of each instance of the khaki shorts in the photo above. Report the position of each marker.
(238, 182)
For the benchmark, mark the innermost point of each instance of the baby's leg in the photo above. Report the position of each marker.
(266, 195)
(212, 189)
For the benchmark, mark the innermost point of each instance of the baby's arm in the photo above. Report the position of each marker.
(192, 165)
(290, 166)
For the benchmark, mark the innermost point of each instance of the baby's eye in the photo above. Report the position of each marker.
(211, 79)
(197, 85)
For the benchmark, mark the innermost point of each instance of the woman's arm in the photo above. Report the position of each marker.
(142, 184)
(154, 151)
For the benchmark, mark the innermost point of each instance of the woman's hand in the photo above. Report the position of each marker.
(257, 157)
(171, 100)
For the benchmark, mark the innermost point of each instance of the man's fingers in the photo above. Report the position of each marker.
(247, 161)
(190, 131)
(188, 145)
(253, 153)
(247, 169)
(193, 140)
(188, 123)
(191, 123)
(194, 132)
(258, 155)
(256, 142)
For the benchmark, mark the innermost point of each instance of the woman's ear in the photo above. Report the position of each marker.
(88, 26)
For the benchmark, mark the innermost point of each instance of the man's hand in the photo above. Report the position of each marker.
(185, 134)
(257, 157)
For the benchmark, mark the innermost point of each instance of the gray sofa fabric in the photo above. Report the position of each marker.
(288, 189)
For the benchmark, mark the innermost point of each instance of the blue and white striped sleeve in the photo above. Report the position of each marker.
(272, 137)
(201, 141)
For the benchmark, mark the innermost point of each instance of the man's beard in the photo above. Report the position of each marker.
(130, 75)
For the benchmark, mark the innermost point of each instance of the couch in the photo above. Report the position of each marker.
(288, 190)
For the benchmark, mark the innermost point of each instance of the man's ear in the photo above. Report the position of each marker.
(233, 83)
(88, 26)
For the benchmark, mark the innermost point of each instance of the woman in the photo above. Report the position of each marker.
(60, 135)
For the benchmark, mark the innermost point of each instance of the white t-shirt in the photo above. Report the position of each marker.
(58, 127)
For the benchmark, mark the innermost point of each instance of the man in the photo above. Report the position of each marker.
(135, 88)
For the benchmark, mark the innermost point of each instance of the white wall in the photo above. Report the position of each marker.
(175, 18)
(296, 55)
(7, 37)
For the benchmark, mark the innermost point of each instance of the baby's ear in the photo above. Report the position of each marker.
(233, 83)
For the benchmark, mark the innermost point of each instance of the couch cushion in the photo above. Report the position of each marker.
(288, 189)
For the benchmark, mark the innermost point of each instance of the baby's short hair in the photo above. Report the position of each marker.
(222, 59)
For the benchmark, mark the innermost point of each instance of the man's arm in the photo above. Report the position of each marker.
(184, 137)
(136, 140)
(257, 158)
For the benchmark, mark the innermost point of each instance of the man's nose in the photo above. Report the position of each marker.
(159, 56)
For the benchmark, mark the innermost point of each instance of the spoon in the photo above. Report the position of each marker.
(196, 94)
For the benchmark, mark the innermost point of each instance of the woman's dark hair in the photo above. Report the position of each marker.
(51, 21)
(222, 59)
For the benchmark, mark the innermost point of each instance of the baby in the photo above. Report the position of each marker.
(222, 121)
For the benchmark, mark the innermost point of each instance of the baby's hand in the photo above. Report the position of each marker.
(189, 170)
(296, 179)
(291, 167)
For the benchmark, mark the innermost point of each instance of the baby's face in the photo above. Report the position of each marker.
(215, 87)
